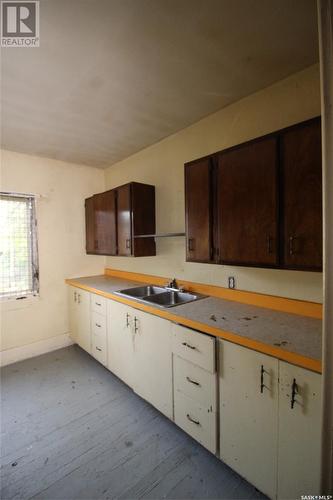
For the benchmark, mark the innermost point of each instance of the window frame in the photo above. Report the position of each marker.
(34, 256)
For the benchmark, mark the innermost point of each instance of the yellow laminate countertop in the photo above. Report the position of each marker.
(289, 337)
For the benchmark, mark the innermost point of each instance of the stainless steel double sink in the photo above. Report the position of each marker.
(164, 297)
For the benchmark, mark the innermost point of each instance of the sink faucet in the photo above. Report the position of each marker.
(172, 284)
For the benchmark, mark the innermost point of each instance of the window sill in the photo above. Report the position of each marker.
(12, 304)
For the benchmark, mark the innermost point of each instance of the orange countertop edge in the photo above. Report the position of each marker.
(290, 357)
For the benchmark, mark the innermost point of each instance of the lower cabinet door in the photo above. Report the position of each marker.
(248, 414)
(120, 340)
(73, 306)
(153, 361)
(83, 335)
(299, 432)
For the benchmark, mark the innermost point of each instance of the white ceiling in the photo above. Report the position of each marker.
(114, 76)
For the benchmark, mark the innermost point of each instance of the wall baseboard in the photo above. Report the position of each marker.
(10, 356)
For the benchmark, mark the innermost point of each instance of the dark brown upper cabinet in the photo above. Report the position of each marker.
(247, 203)
(136, 216)
(302, 196)
(90, 225)
(198, 208)
(115, 218)
(259, 203)
(101, 237)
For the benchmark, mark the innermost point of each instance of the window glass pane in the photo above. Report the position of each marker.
(18, 252)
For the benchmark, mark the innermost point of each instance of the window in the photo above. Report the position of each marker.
(19, 273)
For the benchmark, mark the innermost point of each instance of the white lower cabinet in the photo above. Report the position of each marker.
(79, 307)
(248, 414)
(73, 312)
(153, 361)
(195, 385)
(139, 353)
(270, 422)
(120, 336)
(299, 443)
(266, 412)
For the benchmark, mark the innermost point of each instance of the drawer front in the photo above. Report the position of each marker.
(99, 348)
(98, 304)
(98, 324)
(196, 421)
(195, 382)
(194, 347)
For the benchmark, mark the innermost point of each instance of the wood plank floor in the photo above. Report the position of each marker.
(72, 430)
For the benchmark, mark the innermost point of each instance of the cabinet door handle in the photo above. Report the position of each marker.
(262, 383)
(294, 392)
(98, 304)
(128, 243)
(269, 244)
(291, 245)
(191, 244)
(75, 296)
(136, 328)
(192, 381)
(127, 320)
(188, 345)
(196, 422)
(79, 298)
(98, 349)
(98, 326)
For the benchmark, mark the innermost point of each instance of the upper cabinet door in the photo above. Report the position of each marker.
(105, 223)
(302, 187)
(248, 204)
(90, 225)
(143, 219)
(198, 208)
(124, 220)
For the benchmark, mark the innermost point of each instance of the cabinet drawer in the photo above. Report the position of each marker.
(196, 421)
(98, 324)
(195, 382)
(99, 348)
(194, 347)
(98, 304)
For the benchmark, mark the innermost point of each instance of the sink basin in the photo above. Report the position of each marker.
(142, 291)
(160, 296)
(170, 298)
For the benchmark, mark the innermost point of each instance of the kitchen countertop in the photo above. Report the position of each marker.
(290, 337)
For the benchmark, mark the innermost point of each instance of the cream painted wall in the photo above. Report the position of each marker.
(290, 101)
(61, 241)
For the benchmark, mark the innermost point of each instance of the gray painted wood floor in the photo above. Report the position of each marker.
(72, 430)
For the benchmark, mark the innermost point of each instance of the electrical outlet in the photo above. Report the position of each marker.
(231, 282)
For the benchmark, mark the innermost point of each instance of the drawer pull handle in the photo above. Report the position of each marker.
(188, 345)
(294, 391)
(192, 381)
(98, 349)
(196, 422)
(98, 326)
